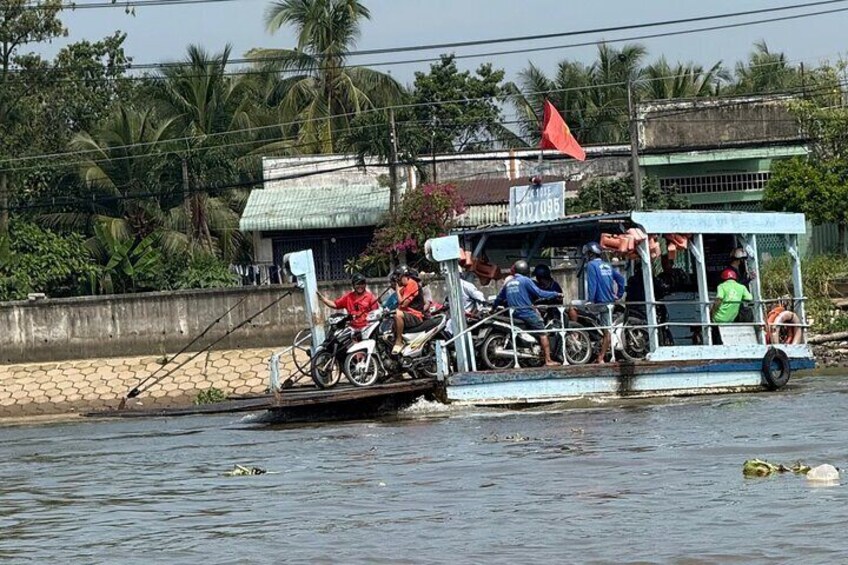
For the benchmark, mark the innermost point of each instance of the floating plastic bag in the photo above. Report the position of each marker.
(823, 473)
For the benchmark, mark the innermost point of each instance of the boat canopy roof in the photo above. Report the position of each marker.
(659, 222)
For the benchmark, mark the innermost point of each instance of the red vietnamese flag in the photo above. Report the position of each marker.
(556, 135)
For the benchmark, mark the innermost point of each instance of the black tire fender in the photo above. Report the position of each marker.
(776, 369)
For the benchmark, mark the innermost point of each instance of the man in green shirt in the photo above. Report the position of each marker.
(729, 299)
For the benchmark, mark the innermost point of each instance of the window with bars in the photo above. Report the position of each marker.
(706, 184)
(330, 253)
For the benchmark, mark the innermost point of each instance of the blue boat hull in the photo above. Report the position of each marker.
(619, 380)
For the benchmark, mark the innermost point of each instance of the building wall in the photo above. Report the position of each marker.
(520, 165)
(722, 122)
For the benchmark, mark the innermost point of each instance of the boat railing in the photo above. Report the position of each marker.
(563, 330)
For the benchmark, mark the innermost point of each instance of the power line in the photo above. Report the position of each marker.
(360, 113)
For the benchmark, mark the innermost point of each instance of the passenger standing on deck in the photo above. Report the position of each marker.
(410, 312)
(357, 302)
(729, 297)
(519, 294)
(605, 285)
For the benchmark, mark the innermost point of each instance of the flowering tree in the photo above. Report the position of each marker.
(424, 213)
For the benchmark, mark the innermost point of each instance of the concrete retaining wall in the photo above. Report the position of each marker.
(145, 324)
(99, 384)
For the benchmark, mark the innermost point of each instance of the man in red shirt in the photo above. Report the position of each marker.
(357, 302)
(410, 312)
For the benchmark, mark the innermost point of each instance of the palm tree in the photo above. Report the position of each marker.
(121, 173)
(592, 99)
(323, 94)
(211, 130)
(663, 81)
(765, 72)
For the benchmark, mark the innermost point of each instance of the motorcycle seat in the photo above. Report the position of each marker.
(427, 324)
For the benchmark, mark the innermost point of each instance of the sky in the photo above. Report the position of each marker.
(162, 33)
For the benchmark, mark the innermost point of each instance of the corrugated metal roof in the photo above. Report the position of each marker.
(484, 215)
(496, 190)
(312, 208)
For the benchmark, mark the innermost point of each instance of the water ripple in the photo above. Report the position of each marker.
(658, 482)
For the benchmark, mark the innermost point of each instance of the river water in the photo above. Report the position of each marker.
(652, 483)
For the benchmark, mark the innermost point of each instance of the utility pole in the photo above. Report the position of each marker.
(433, 122)
(394, 200)
(634, 147)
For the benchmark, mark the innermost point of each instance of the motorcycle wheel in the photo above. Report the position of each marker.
(360, 370)
(426, 366)
(487, 352)
(325, 369)
(578, 345)
(636, 341)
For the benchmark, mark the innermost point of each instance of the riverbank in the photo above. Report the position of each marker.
(75, 386)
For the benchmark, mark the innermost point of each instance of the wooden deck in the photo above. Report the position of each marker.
(301, 404)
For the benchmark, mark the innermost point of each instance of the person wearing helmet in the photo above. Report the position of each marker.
(357, 302)
(739, 263)
(519, 294)
(544, 279)
(426, 293)
(604, 285)
(410, 310)
(729, 297)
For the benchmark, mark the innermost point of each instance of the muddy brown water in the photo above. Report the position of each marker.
(652, 483)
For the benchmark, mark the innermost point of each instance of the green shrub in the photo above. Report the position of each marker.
(211, 395)
(41, 260)
(199, 271)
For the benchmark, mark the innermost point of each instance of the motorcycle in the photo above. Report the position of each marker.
(496, 344)
(628, 334)
(328, 358)
(371, 360)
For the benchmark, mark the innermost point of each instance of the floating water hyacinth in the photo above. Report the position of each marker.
(760, 468)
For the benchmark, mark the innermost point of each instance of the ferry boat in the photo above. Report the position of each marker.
(755, 355)
(758, 355)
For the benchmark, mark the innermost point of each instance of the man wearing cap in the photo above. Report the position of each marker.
(357, 302)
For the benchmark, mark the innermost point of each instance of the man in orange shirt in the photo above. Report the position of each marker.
(357, 302)
(410, 312)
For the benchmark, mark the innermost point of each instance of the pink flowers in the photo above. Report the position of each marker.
(425, 212)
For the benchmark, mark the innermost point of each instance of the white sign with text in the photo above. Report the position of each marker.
(536, 203)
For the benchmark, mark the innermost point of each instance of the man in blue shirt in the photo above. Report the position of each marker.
(604, 285)
(519, 294)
